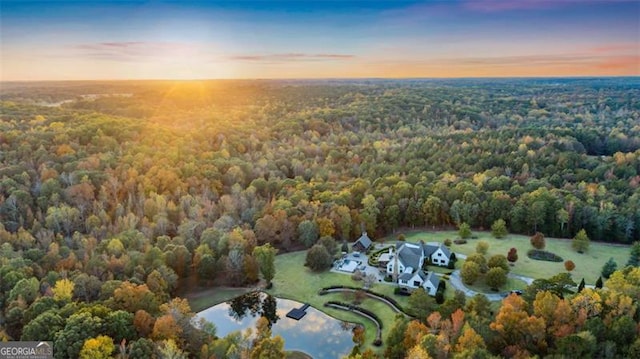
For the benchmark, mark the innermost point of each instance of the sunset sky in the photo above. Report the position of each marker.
(74, 40)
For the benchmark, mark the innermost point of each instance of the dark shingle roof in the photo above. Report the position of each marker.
(430, 248)
(364, 241)
(410, 256)
(434, 279)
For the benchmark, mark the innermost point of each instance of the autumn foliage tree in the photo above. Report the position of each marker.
(569, 265)
(512, 256)
(100, 347)
(538, 241)
(516, 328)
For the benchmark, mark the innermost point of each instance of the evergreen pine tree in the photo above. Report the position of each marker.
(609, 268)
(599, 283)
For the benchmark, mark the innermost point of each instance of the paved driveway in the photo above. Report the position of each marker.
(456, 282)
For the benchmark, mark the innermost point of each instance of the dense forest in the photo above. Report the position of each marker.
(111, 193)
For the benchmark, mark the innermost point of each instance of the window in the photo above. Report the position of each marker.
(416, 283)
(439, 254)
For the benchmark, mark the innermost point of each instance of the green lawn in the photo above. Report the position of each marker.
(588, 265)
(202, 299)
(294, 281)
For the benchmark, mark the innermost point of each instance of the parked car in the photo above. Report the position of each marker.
(356, 254)
(517, 292)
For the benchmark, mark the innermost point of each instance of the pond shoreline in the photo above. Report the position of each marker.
(317, 335)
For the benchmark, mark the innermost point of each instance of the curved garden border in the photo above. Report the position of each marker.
(362, 312)
(383, 298)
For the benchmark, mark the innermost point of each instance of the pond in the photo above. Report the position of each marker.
(316, 334)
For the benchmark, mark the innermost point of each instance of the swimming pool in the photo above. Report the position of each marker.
(348, 265)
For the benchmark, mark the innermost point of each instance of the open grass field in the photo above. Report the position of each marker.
(588, 265)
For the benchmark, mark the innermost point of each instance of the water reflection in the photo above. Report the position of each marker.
(316, 334)
(254, 303)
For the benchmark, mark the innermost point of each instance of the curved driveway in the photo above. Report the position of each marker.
(456, 282)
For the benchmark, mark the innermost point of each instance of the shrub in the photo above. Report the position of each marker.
(537, 241)
(541, 255)
(357, 276)
(447, 242)
(464, 231)
(569, 265)
(401, 237)
(512, 256)
(482, 247)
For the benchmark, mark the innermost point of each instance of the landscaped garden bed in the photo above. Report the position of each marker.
(542, 255)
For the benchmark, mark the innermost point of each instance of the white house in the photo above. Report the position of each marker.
(438, 253)
(409, 255)
(414, 254)
(419, 279)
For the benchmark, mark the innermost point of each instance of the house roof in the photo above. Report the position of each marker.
(430, 248)
(364, 241)
(409, 255)
(431, 278)
(406, 276)
(422, 275)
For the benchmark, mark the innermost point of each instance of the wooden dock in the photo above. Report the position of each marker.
(298, 313)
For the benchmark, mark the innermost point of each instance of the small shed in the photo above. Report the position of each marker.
(363, 243)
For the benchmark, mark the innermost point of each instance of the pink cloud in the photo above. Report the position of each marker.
(621, 47)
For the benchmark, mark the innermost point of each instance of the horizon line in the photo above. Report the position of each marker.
(330, 78)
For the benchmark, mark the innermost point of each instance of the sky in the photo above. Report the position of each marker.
(91, 39)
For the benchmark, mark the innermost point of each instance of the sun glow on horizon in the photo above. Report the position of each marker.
(250, 40)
